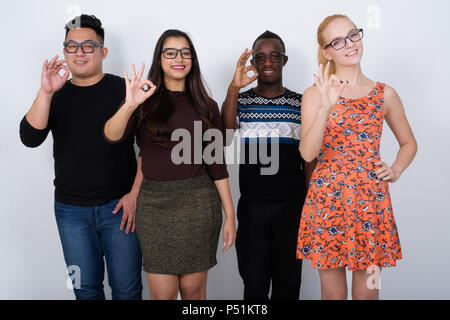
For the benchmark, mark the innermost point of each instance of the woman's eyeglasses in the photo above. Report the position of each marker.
(339, 43)
(172, 53)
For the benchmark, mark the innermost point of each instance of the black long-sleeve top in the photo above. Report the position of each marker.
(88, 170)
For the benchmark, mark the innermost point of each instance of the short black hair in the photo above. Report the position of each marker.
(269, 35)
(87, 21)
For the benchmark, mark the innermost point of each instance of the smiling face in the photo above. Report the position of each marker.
(351, 53)
(269, 72)
(178, 68)
(85, 65)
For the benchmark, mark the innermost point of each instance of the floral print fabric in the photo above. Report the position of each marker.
(347, 218)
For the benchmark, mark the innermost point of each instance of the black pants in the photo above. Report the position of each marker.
(266, 246)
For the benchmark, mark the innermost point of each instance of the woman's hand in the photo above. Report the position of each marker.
(136, 94)
(229, 234)
(330, 87)
(386, 173)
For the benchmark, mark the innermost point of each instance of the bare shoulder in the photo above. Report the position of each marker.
(390, 94)
(392, 100)
(312, 94)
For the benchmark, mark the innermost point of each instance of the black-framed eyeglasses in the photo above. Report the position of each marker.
(172, 53)
(275, 57)
(339, 43)
(87, 46)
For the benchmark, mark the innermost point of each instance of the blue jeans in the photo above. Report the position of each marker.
(87, 235)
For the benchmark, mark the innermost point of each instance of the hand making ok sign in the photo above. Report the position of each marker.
(330, 87)
(241, 78)
(136, 93)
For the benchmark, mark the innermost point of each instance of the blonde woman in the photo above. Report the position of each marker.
(347, 219)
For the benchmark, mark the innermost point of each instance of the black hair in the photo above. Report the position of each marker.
(87, 21)
(154, 113)
(269, 35)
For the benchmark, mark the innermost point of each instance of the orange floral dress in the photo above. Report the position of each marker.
(347, 218)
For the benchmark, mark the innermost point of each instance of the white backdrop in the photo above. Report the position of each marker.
(406, 46)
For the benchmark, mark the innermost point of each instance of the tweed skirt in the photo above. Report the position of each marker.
(178, 225)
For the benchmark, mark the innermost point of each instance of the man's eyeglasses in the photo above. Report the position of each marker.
(87, 46)
(275, 57)
(339, 43)
(172, 53)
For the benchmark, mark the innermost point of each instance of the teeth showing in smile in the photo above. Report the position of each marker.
(178, 67)
(268, 73)
(351, 53)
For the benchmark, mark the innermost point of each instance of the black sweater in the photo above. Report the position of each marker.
(88, 170)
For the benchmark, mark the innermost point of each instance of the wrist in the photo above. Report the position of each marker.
(134, 192)
(44, 94)
(233, 89)
(397, 171)
(324, 111)
(129, 108)
(229, 216)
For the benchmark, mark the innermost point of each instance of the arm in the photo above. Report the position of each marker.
(317, 103)
(218, 172)
(34, 127)
(39, 112)
(115, 127)
(314, 119)
(309, 168)
(397, 121)
(135, 95)
(229, 226)
(128, 201)
(240, 80)
(229, 109)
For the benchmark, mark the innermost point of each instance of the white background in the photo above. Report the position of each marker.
(409, 51)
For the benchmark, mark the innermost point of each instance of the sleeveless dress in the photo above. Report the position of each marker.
(347, 218)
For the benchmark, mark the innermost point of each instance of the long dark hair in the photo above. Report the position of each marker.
(155, 112)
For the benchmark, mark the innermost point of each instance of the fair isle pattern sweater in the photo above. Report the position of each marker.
(260, 119)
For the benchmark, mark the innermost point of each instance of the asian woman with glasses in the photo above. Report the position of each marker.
(179, 209)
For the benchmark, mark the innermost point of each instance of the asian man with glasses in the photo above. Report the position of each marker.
(95, 192)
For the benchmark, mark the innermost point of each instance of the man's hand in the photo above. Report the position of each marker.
(51, 81)
(241, 78)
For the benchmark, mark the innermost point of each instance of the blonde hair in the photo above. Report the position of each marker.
(321, 40)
